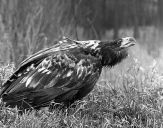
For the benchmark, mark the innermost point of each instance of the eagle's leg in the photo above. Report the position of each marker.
(81, 93)
(84, 91)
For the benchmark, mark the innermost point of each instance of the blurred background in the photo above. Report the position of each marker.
(27, 26)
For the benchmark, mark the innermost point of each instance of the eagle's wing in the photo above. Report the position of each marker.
(37, 58)
(42, 80)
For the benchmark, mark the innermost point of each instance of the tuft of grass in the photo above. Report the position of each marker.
(122, 99)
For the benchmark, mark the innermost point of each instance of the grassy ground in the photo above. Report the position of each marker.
(127, 96)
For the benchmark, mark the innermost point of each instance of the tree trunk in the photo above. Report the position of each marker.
(160, 13)
(116, 24)
(135, 14)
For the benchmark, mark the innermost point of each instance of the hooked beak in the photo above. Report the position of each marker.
(128, 42)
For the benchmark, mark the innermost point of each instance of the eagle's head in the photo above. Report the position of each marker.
(115, 51)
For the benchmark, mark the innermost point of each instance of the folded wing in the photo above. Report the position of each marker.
(48, 76)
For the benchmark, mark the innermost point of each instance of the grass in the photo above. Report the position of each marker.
(128, 98)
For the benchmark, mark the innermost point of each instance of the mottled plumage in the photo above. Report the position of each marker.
(66, 72)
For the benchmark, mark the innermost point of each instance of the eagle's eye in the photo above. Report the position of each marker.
(119, 41)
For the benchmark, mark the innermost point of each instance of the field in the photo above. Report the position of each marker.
(127, 96)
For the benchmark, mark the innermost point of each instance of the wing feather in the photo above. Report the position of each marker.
(54, 75)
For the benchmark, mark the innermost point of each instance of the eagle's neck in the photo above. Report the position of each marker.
(112, 57)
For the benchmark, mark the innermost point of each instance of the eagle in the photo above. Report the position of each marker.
(63, 73)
